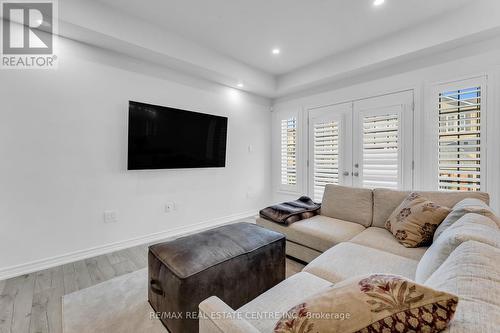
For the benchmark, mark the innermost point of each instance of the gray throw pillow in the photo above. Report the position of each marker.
(469, 227)
(465, 206)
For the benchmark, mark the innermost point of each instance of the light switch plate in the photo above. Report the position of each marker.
(110, 216)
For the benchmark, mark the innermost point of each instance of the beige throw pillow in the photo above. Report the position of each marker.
(374, 303)
(413, 223)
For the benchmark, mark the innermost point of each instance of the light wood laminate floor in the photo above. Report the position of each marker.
(31, 303)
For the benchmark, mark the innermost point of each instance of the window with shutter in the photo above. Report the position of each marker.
(381, 151)
(326, 156)
(289, 151)
(459, 162)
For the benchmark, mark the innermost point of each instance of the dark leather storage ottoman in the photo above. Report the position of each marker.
(235, 262)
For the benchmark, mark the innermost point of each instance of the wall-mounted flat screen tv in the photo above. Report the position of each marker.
(161, 137)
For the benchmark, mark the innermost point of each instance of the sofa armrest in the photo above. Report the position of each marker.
(217, 317)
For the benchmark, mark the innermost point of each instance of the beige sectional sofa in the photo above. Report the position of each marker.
(358, 216)
(348, 239)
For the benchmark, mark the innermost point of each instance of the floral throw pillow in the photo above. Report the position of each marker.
(414, 222)
(372, 304)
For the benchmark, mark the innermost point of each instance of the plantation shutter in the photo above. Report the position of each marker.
(459, 163)
(289, 151)
(326, 156)
(381, 158)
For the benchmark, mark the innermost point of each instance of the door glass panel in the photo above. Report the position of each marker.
(381, 151)
(326, 156)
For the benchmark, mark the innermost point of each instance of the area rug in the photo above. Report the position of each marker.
(120, 305)
(116, 306)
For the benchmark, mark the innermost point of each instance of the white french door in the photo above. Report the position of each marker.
(383, 141)
(330, 152)
(366, 143)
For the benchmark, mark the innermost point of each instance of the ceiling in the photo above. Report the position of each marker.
(229, 42)
(305, 31)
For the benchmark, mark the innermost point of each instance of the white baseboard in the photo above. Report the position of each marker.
(34, 266)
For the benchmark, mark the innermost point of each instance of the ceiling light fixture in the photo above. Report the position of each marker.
(378, 2)
(276, 51)
(240, 85)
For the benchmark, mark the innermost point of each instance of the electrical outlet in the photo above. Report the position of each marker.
(169, 207)
(110, 216)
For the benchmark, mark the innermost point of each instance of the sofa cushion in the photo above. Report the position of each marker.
(469, 205)
(280, 299)
(372, 303)
(348, 203)
(347, 260)
(318, 232)
(382, 239)
(470, 227)
(414, 221)
(385, 201)
(472, 273)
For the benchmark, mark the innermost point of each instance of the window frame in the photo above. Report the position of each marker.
(432, 121)
(278, 117)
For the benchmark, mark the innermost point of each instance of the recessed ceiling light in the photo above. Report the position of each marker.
(240, 85)
(378, 2)
(276, 51)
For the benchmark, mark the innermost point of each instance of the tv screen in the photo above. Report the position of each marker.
(166, 138)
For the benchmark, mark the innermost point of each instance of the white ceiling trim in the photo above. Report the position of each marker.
(469, 24)
(100, 25)
(97, 24)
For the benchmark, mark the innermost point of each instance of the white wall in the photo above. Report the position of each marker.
(419, 76)
(63, 146)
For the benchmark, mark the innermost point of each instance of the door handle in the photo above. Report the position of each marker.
(346, 173)
(355, 174)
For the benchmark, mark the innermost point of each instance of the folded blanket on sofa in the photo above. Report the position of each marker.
(293, 211)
